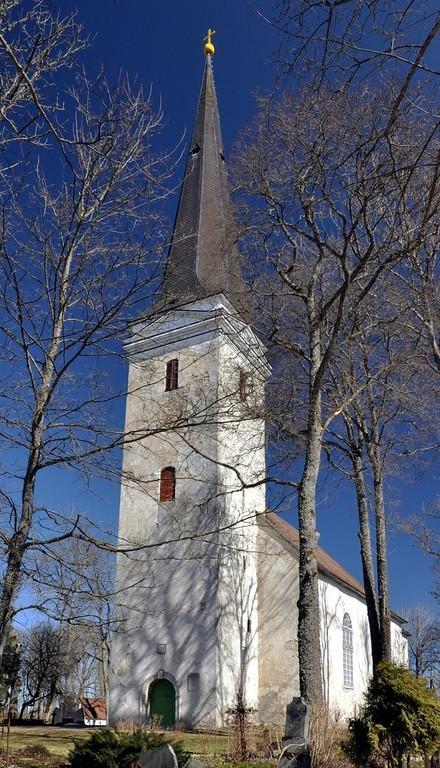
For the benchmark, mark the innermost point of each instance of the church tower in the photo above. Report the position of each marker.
(187, 644)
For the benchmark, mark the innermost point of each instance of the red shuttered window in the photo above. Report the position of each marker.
(167, 490)
(172, 375)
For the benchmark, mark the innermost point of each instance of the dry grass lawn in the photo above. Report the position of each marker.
(57, 740)
(60, 740)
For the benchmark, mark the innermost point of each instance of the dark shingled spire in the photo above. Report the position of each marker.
(203, 258)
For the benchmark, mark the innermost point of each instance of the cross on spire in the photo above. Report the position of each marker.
(209, 45)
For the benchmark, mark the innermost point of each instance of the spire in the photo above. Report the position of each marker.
(203, 258)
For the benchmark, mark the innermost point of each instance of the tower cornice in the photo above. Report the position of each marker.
(197, 322)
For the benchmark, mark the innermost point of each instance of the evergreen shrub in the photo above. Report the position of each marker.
(401, 717)
(107, 749)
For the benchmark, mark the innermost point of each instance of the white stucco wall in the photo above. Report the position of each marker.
(335, 601)
(169, 597)
(196, 596)
(399, 645)
(278, 593)
(241, 456)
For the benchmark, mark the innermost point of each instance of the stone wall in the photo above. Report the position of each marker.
(278, 622)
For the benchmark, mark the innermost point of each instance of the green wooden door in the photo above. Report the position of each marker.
(163, 702)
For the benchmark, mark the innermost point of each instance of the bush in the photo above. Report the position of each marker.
(107, 749)
(326, 734)
(401, 717)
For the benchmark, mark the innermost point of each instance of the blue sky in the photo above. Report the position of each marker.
(160, 45)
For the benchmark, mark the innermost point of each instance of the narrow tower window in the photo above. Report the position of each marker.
(245, 385)
(347, 650)
(172, 375)
(193, 681)
(167, 491)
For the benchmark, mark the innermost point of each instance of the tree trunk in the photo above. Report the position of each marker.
(17, 543)
(309, 649)
(105, 675)
(381, 557)
(16, 549)
(49, 703)
(367, 556)
(374, 454)
(22, 709)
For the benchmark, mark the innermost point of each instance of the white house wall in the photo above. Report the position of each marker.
(335, 601)
(399, 645)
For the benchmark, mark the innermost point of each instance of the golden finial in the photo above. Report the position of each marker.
(209, 46)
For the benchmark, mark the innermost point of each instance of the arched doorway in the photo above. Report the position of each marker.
(162, 702)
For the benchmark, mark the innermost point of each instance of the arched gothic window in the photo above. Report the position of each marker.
(167, 489)
(347, 650)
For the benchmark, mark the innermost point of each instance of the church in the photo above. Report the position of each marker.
(207, 587)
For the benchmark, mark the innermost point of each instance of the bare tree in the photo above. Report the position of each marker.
(423, 283)
(383, 432)
(63, 659)
(349, 44)
(344, 42)
(80, 257)
(329, 179)
(43, 664)
(59, 660)
(423, 528)
(10, 673)
(73, 585)
(424, 642)
(35, 45)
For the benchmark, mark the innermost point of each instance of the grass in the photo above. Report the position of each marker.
(212, 747)
(202, 743)
(59, 741)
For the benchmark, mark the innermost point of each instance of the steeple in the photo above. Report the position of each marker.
(203, 258)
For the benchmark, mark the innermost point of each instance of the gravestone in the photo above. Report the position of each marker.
(165, 757)
(297, 719)
(296, 752)
(194, 763)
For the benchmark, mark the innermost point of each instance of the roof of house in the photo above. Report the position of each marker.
(93, 709)
(203, 258)
(327, 566)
